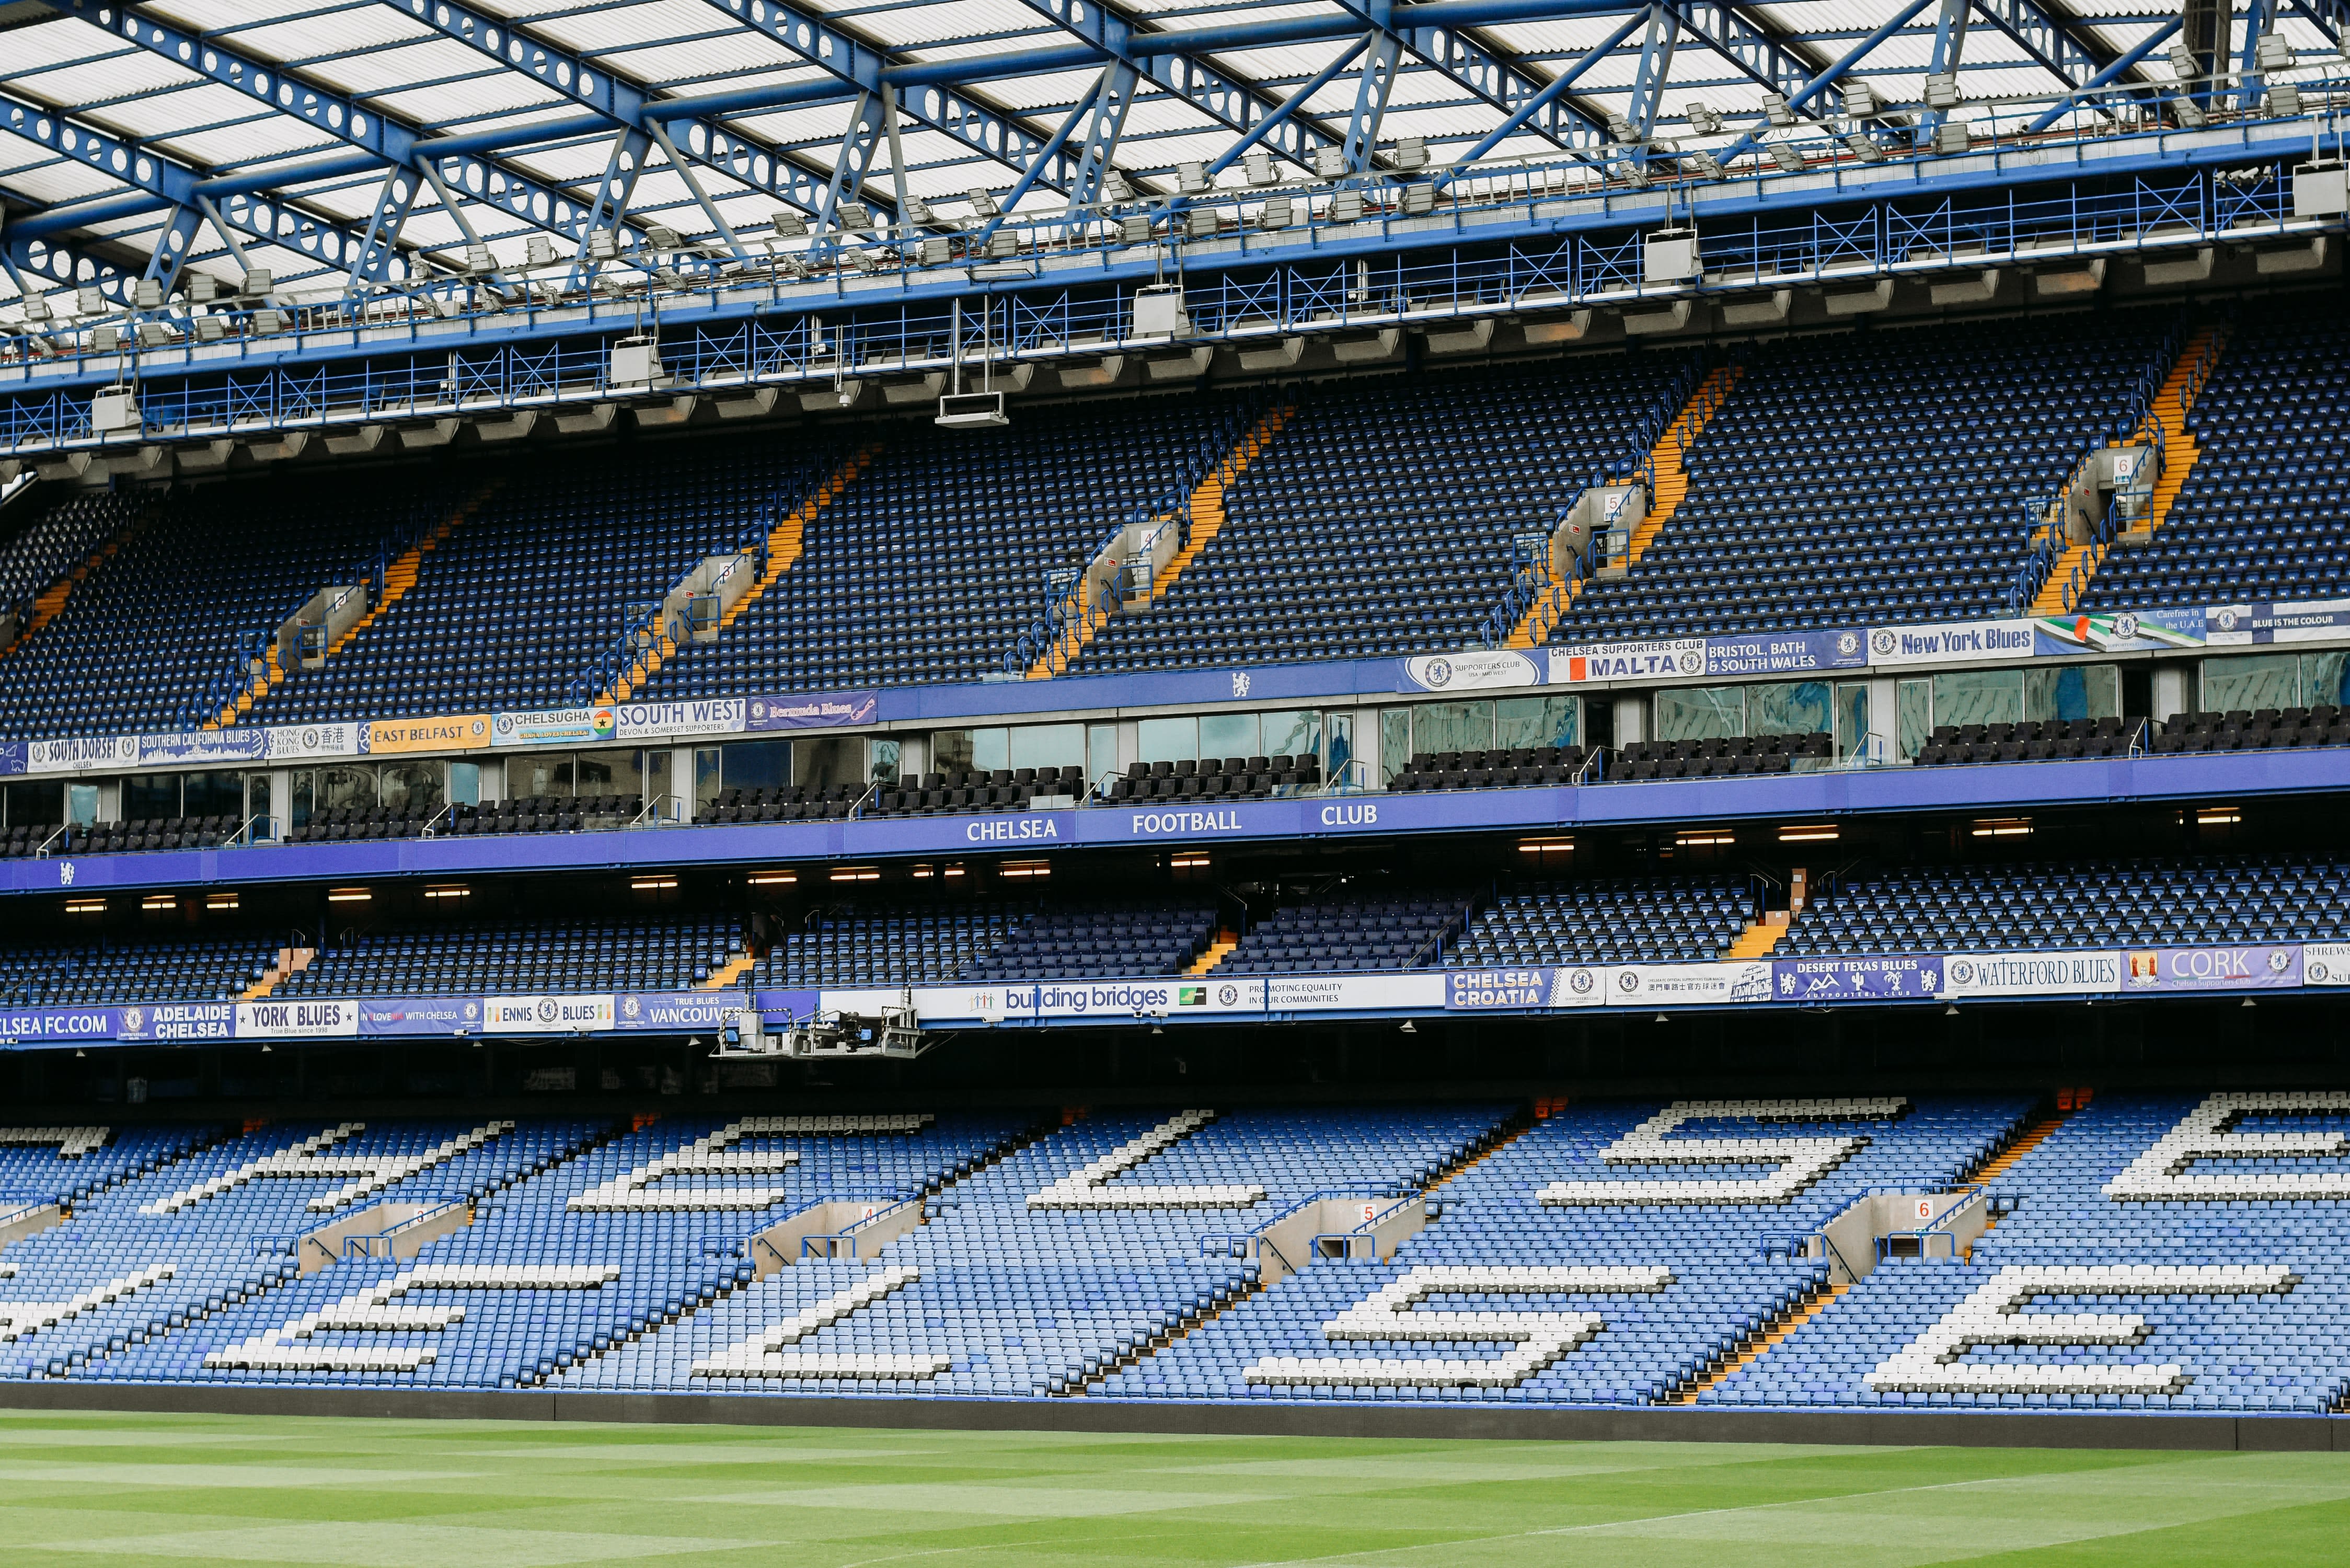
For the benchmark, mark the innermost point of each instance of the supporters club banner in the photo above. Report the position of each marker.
(197, 746)
(2253, 967)
(2325, 963)
(1354, 992)
(1966, 975)
(1688, 985)
(1627, 661)
(564, 1013)
(1871, 978)
(39, 1025)
(812, 710)
(14, 757)
(2125, 631)
(80, 753)
(429, 1015)
(651, 1010)
(1786, 653)
(303, 1020)
(1952, 643)
(292, 742)
(1525, 989)
(2312, 620)
(448, 732)
(1472, 671)
(727, 717)
(552, 726)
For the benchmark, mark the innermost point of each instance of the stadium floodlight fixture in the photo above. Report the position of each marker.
(2285, 100)
(855, 215)
(1259, 167)
(982, 204)
(258, 282)
(538, 251)
(1703, 120)
(1410, 154)
(1942, 90)
(1408, 1028)
(1330, 162)
(1116, 187)
(918, 213)
(1707, 166)
(89, 301)
(2272, 53)
(1774, 105)
(662, 238)
(1622, 130)
(788, 226)
(2189, 112)
(1789, 160)
(2183, 62)
(203, 288)
(603, 246)
(147, 294)
(36, 307)
(1192, 180)
(105, 339)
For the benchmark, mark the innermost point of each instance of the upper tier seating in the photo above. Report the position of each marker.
(2260, 516)
(135, 1285)
(2087, 904)
(1087, 941)
(973, 790)
(1672, 1283)
(910, 945)
(525, 597)
(929, 566)
(1874, 478)
(1380, 519)
(2242, 1288)
(146, 640)
(507, 957)
(53, 544)
(1348, 931)
(1652, 919)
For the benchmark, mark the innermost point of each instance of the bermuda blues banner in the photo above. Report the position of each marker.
(812, 710)
(1871, 978)
(2252, 968)
(2031, 975)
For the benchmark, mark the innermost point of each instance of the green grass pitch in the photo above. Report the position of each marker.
(189, 1490)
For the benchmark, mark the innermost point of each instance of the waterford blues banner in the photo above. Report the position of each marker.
(1873, 978)
(2031, 975)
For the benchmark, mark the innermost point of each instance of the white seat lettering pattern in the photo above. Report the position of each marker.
(287, 1347)
(763, 1356)
(72, 1142)
(309, 1159)
(1930, 1364)
(1542, 1337)
(716, 1155)
(2208, 1132)
(1800, 1161)
(18, 1319)
(1089, 1186)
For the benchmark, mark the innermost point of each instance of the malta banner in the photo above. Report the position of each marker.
(1662, 660)
(1874, 978)
(303, 1020)
(1966, 975)
(2260, 967)
(546, 1014)
(448, 733)
(1470, 671)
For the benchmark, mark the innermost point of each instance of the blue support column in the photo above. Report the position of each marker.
(1371, 90)
(172, 245)
(1833, 74)
(1655, 65)
(854, 158)
(611, 209)
(394, 199)
(1111, 99)
(1949, 45)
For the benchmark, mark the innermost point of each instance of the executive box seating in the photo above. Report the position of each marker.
(2243, 730)
(1216, 778)
(978, 790)
(1519, 767)
(2034, 740)
(1720, 757)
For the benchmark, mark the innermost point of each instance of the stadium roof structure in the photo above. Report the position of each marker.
(344, 147)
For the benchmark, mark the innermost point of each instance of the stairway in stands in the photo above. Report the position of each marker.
(1761, 1345)
(1206, 507)
(785, 542)
(1758, 939)
(1218, 951)
(400, 575)
(1670, 485)
(726, 977)
(52, 599)
(2189, 376)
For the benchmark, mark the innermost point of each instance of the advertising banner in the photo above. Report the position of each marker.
(1688, 985)
(546, 1014)
(679, 1009)
(1515, 990)
(34, 1025)
(288, 743)
(178, 1021)
(448, 732)
(724, 716)
(2125, 631)
(1786, 652)
(2310, 621)
(2325, 963)
(1950, 642)
(393, 1015)
(2030, 974)
(1870, 978)
(303, 1020)
(1353, 992)
(1662, 660)
(812, 710)
(81, 752)
(2260, 967)
(552, 726)
(196, 746)
(1470, 671)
